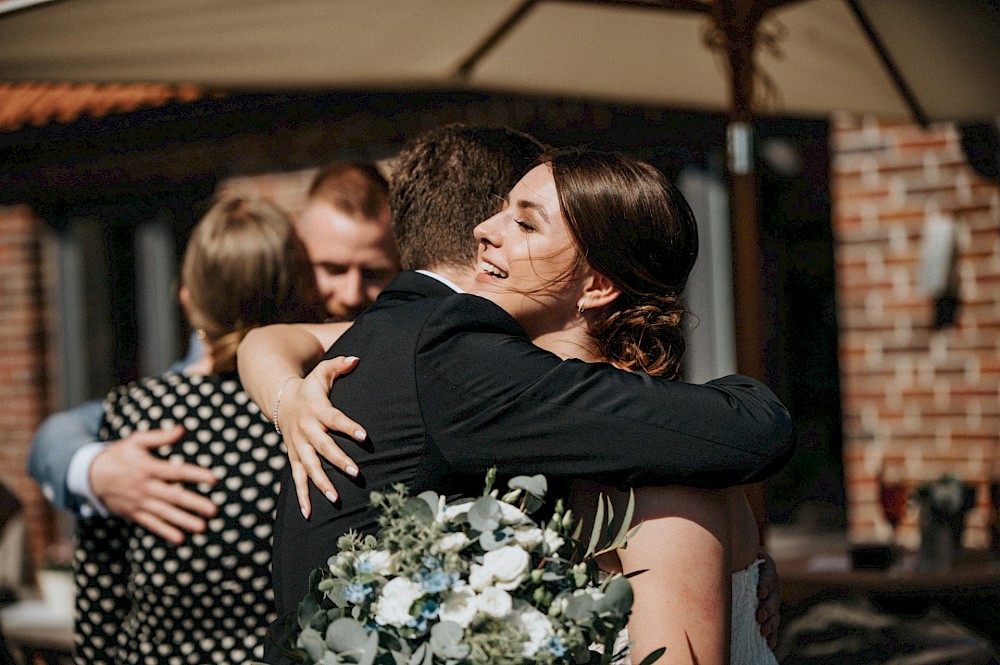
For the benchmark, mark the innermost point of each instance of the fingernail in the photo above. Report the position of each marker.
(351, 470)
(305, 513)
(360, 434)
(331, 497)
(350, 359)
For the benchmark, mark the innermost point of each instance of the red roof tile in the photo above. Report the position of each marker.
(38, 104)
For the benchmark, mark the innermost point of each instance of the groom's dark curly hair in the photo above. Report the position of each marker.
(446, 181)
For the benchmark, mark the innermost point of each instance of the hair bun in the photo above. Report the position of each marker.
(644, 335)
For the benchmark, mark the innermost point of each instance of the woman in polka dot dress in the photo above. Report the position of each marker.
(209, 600)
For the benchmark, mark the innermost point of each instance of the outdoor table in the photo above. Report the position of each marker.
(969, 591)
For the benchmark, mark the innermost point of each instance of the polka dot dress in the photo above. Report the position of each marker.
(209, 600)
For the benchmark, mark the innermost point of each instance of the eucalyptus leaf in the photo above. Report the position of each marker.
(446, 641)
(417, 657)
(417, 508)
(579, 608)
(532, 504)
(617, 597)
(536, 485)
(431, 499)
(346, 634)
(370, 650)
(308, 610)
(311, 642)
(485, 514)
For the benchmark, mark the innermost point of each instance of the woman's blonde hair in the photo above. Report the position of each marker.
(244, 267)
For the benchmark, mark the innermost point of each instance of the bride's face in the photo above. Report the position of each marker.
(527, 257)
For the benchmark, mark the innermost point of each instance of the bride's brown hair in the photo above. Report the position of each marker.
(632, 225)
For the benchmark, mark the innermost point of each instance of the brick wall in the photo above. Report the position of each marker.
(22, 364)
(917, 400)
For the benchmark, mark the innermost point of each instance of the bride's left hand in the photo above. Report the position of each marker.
(307, 418)
(769, 593)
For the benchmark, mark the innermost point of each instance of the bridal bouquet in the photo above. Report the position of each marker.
(473, 581)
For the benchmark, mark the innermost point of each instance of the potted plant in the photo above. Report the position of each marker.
(943, 504)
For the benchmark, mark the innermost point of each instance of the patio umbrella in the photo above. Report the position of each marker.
(928, 59)
(923, 59)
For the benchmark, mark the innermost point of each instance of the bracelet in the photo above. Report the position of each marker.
(277, 400)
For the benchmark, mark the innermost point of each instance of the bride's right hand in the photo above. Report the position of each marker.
(305, 417)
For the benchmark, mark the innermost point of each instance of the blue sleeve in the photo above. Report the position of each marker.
(56, 440)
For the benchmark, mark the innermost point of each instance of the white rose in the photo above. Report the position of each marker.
(528, 538)
(512, 514)
(379, 562)
(507, 566)
(553, 541)
(494, 602)
(451, 542)
(450, 513)
(393, 606)
(479, 577)
(460, 606)
(536, 625)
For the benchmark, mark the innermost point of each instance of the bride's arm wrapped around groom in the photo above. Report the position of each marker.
(450, 385)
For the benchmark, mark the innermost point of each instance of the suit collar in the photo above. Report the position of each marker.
(409, 285)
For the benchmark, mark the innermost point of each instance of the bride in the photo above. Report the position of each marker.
(590, 254)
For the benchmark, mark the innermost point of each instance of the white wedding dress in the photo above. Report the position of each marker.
(747, 645)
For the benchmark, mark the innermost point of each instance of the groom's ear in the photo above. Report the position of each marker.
(600, 291)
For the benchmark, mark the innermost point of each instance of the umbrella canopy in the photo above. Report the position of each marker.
(925, 59)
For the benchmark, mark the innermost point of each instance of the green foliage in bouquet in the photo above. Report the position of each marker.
(474, 581)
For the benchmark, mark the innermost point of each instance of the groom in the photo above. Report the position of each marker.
(447, 388)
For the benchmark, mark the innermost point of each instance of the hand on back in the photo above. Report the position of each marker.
(305, 417)
(134, 483)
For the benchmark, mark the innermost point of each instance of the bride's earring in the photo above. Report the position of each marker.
(580, 308)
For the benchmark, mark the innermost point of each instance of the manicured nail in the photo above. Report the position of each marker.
(360, 434)
(351, 470)
(331, 497)
(350, 359)
(305, 513)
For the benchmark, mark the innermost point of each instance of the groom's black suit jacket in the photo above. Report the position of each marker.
(449, 385)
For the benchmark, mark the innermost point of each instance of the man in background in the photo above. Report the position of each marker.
(346, 228)
(347, 231)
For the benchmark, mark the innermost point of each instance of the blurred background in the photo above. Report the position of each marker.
(841, 158)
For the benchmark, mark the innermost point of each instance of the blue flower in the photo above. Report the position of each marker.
(418, 623)
(436, 581)
(356, 592)
(556, 646)
(431, 609)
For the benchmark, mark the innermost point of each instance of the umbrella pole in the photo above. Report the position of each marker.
(737, 19)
